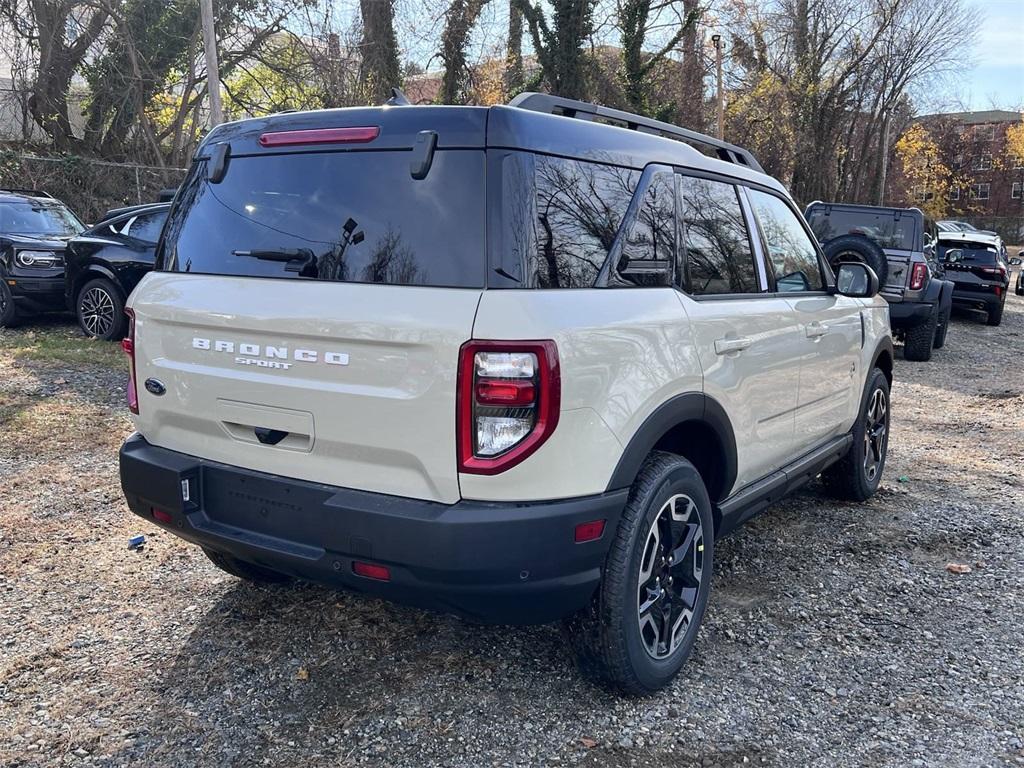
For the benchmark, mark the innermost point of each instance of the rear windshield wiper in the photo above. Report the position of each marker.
(297, 258)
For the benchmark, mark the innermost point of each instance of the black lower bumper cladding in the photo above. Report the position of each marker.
(493, 562)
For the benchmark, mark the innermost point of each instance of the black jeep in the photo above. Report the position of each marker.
(900, 245)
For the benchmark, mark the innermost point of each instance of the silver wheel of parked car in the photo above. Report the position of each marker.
(670, 574)
(101, 310)
(875, 431)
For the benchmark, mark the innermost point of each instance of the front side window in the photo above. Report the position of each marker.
(792, 255)
(147, 227)
(716, 244)
(579, 209)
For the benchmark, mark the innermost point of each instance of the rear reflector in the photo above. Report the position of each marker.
(589, 531)
(162, 516)
(320, 136)
(128, 345)
(371, 571)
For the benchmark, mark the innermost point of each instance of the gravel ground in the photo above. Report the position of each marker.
(836, 635)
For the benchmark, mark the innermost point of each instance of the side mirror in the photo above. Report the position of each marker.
(856, 280)
(1015, 262)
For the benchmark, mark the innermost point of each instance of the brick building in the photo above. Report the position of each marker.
(988, 188)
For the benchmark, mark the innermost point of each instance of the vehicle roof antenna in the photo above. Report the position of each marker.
(398, 99)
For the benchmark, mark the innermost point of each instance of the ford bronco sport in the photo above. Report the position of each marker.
(900, 245)
(519, 363)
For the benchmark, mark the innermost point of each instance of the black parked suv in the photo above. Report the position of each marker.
(106, 262)
(900, 245)
(975, 263)
(34, 230)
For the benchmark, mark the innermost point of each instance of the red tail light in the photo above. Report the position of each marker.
(918, 276)
(509, 394)
(359, 135)
(128, 345)
(371, 571)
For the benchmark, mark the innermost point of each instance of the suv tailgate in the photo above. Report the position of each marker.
(361, 378)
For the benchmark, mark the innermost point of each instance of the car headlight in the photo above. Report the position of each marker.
(38, 259)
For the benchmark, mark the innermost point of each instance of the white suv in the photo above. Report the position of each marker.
(496, 361)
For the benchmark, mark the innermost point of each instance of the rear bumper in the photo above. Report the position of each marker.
(908, 314)
(978, 299)
(492, 562)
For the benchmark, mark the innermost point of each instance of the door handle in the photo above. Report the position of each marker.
(725, 346)
(815, 330)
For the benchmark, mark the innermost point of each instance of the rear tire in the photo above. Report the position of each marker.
(641, 625)
(100, 310)
(943, 328)
(917, 341)
(995, 316)
(243, 570)
(858, 248)
(857, 475)
(9, 315)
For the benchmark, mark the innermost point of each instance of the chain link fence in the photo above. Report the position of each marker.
(89, 187)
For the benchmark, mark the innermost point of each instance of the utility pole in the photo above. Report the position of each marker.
(720, 95)
(212, 67)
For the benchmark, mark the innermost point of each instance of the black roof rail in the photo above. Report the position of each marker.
(556, 105)
(30, 192)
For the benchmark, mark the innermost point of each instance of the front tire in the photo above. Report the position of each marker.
(642, 624)
(100, 310)
(8, 310)
(857, 475)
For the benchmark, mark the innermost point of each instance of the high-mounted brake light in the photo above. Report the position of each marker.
(509, 395)
(359, 135)
(128, 345)
(918, 276)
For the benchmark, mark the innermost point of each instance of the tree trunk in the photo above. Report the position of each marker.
(459, 21)
(379, 71)
(691, 81)
(514, 58)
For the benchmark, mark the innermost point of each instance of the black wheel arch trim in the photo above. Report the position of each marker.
(884, 346)
(688, 407)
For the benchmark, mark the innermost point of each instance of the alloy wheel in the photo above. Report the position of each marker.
(97, 311)
(671, 571)
(876, 427)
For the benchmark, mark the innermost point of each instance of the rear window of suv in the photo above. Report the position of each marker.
(341, 216)
(881, 226)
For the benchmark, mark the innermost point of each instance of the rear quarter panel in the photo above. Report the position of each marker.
(621, 353)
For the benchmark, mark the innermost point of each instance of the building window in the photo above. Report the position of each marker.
(1018, 163)
(1015, 192)
(984, 132)
(958, 162)
(979, 191)
(954, 193)
(982, 162)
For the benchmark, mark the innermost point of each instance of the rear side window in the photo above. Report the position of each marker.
(716, 243)
(650, 247)
(339, 216)
(791, 254)
(881, 226)
(579, 209)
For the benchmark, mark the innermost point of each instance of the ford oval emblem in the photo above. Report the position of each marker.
(155, 387)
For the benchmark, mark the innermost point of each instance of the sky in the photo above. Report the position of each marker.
(997, 80)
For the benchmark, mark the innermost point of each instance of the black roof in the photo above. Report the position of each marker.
(634, 146)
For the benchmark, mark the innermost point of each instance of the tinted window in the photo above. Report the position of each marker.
(343, 216)
(580, 207)
(147, 227)
(31, 218)
(649, 250)
(975, 253)
(881, 226)
(715, 239)
(791, 253)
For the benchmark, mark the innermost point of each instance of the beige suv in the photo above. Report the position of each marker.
(520, 363)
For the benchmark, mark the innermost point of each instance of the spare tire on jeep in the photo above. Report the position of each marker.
(857, 248)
